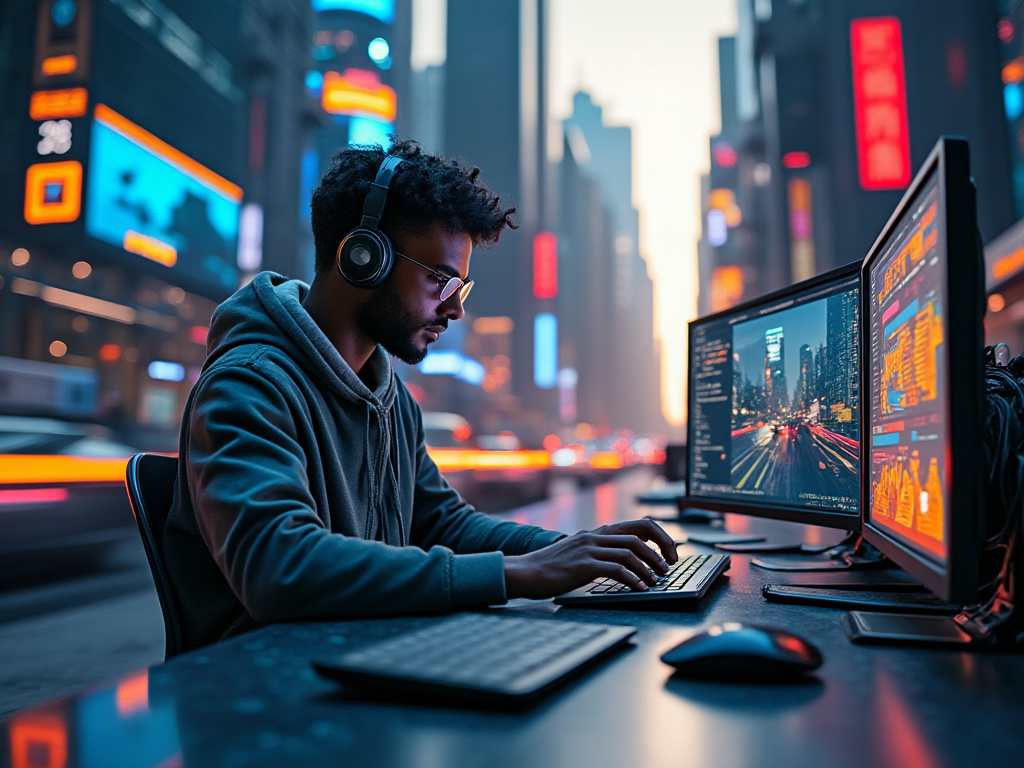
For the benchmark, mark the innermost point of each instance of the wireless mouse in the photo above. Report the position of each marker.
(743, 653)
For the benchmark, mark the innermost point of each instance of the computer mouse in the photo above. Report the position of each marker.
(743, 652)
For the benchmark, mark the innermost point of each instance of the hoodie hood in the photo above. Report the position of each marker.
(269, 312)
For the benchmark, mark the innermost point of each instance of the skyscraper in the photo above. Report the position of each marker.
(495, 118)
(837, 103)
(776, 392)
(842, 391)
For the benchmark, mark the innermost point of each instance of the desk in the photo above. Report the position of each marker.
(255, 701)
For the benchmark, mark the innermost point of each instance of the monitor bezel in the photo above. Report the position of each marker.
(847, 521)
(957, 580)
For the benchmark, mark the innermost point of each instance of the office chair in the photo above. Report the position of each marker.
(150, 480)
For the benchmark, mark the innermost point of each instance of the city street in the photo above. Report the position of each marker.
(79, 631)
(795, 460)
(78, 627)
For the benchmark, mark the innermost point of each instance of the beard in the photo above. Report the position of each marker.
(386, 320)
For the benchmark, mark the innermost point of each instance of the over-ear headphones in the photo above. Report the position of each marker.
(365, 255)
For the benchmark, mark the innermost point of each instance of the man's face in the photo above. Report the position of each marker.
(405, 314)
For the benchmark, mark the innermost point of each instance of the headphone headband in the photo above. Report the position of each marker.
(373, 207)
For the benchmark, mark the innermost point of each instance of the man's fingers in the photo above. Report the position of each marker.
(621, 574)
(628, 560)
(645, 529)
(634, 545)
(665, 543)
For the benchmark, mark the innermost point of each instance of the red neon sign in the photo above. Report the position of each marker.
(796, 159)
(880, 103)
(545, 266)
(723, 154)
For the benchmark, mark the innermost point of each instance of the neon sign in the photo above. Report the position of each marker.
(545, 266)
(357, 92)
(880, 103)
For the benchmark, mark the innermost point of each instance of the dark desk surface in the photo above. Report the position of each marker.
(256, 701)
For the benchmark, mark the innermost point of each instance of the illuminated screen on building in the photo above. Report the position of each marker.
(155, 202)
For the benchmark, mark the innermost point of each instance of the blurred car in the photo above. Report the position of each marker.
(511, 469)
(447, 436)
(492, 472)
(62, 494)
(447, 430)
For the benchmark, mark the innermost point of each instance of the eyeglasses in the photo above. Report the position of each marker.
(449, 284)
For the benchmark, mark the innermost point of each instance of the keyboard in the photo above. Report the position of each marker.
(482, 657)
(687, 580)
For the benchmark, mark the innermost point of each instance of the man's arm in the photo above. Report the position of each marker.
(248, 481)
(537, 563)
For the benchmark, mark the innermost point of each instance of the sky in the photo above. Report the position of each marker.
(654, 69)
(804, 324)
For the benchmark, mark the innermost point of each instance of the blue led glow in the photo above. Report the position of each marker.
(63, 12)
(366, 130)
(315, 81)
(545, 350)
(382, 10)
(164, 371)
(472, 372)
(310, 177)
(378, 49)
(1013, 100)
(449, 363)
(718, 231)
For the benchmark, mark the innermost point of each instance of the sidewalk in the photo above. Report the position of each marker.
(51, 656)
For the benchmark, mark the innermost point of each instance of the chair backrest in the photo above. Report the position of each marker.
(150, 479)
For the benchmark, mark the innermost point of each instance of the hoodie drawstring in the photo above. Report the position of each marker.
(386, 458)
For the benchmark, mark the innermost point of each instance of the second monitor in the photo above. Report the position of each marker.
(774, 392)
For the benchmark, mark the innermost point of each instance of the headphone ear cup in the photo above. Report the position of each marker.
(365, 257)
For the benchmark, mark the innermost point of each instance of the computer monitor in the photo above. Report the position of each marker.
(774, 405)
(922, 363)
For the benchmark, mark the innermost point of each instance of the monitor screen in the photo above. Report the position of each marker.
(907, 472)
(774, 422)
(922, 368)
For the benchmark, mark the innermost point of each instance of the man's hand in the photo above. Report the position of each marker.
(616, 550)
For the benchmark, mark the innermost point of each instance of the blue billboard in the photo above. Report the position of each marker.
(154, 201)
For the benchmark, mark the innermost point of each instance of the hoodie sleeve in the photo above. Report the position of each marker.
(247, 478)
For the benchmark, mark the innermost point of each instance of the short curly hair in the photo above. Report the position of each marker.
(426, 189)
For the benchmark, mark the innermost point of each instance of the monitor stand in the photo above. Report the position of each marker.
(995, 624)
(850, 554)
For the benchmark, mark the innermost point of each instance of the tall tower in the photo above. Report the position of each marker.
(617, 304)
(807, 388)
(498, 123)
(842, 366)
(775, 392)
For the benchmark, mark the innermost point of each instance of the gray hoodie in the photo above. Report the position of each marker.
(302, 494)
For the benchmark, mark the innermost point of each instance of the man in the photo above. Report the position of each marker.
(304, 487)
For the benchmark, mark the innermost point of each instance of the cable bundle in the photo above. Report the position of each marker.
(1004, 458)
